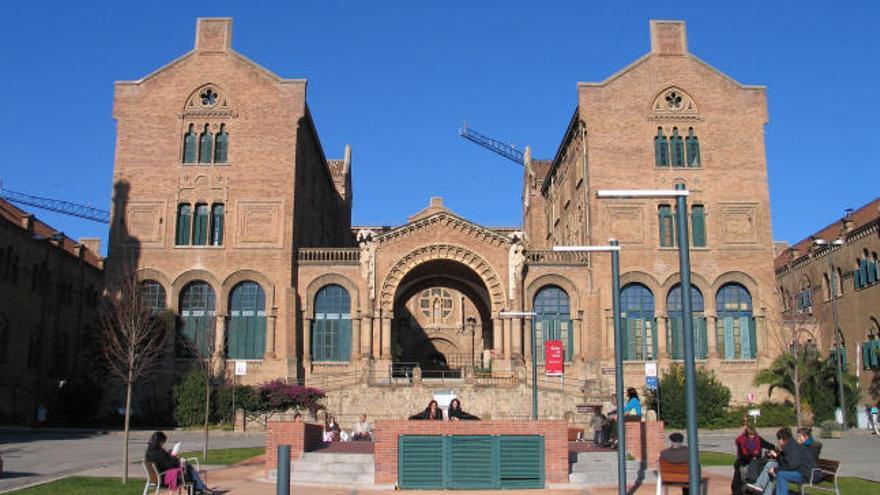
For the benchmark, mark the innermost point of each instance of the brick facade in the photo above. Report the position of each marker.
(302, 437)
(644, 441)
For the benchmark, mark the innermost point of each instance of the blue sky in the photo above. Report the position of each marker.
(397, 79)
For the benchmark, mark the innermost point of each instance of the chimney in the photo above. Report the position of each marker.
(847, 221)
(93, 244)
(27, 222)
(213, 34)
(668, 38)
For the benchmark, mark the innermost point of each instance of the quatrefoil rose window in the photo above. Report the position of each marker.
(673, 100)
(208, 97)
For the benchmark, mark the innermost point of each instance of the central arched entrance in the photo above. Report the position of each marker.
(441, 319)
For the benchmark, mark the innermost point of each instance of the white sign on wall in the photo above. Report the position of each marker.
(240, 368)
(650, 369)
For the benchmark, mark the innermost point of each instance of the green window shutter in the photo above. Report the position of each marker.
(184, 214)
(729, 345)
(221, 145)
(567, 336)
(867, 348)
(677, 149)
(872, 272)
(205, 142)
(746, 332)
(421, 461)
(343, 340)
(698, 221)
(702, 341)
(667, 229)
(200, 225)
(521, 461)
(875, 355)
(541, 327)
(190, 146)
(472, 462)
(661, 149)
(629, 339)
(218, 212)
(651, 333)
(674, 338)
(693, 149)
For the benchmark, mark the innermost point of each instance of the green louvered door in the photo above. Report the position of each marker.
(473, 462)
(521, 461)
(421, 461)
(470, 462)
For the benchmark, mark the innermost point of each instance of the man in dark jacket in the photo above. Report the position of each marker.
(677, 453)
(795, 462)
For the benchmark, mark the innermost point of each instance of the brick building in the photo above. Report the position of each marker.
(263, 261)
(49, 291)
(807, 273)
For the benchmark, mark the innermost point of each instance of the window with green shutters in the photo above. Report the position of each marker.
(675, 330)
(184, 214)
(677, 149)
(661, 149)
(871, 353)
(666, 221)
(698, 226)
(637, 311)
(735, 331)
(221, 145)
(200, 225)
(331, 328)
(693, 149)
(553, 320)
(246, 335)
(195, 328)
(218, 212)
(205, 142)
(190, 145)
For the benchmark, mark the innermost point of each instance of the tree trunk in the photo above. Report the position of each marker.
(207, 413)
(125, 428)
(797, 396)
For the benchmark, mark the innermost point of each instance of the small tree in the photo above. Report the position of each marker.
(713, 397)
(201, 347)
(132, 342)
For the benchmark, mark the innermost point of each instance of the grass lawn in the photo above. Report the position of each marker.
(716, 459)
(86, 486)
(225, 457)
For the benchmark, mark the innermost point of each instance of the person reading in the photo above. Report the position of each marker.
(167, 461)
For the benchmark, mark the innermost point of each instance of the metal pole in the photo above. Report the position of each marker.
(690, 375)
(282, 478)
(618, 369)
(839, 358)
(534, 375)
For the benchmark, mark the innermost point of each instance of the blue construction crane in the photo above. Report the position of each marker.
(506, 150)
(56, 205)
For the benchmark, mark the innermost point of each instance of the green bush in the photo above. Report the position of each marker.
(712, 398)
(772, 414)
(189, 398)
(246, 398)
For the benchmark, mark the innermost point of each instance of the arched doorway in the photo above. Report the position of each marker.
(441, 319)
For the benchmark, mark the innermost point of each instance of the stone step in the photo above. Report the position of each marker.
(603, 466)
(338, 468)
(332, 479)
(329, 458)
(596, 456)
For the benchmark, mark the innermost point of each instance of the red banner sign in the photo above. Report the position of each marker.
(554, 357)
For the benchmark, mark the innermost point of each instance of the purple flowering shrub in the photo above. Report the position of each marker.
(280, 396)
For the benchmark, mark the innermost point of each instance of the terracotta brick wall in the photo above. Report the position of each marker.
(386, 433)
(645, 441)
(302, 437)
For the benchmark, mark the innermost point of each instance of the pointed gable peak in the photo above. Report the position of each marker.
(435, 206)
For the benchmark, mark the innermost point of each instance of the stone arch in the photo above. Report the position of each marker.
(239, 276)
(557, 280)
(639, 277)
(686, 105)
(743, 279)
(698, 281)
(153, 274)
(191, 276)
(331, 279)
(450, 252)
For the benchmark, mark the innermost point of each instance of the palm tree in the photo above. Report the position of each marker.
(790, 372)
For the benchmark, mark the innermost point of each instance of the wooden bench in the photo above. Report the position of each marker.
(826, 470)
(676, 475)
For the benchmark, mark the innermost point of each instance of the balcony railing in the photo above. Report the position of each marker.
(319, 256)
(556, 258)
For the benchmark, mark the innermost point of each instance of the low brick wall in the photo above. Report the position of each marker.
(302, 437)
(555, 433)
(645, 440)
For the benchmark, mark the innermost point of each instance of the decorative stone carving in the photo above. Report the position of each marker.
(516, 260)
(673, 104)
(368, 259)
(144, 221)
(258, 224)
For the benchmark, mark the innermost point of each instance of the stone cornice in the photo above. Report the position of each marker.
(445, 218)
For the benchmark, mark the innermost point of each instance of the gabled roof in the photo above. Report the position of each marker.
(435, 213)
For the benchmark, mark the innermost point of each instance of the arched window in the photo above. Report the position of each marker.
(826, 286)
(153, 295)
(805, 296)
(331, 330)
(661, 149)
(200, 225)
(677, 149)
(197, 313)
(675, 331)
(184, 214)
(246, 338)
(637, 311)
(736, 327)
(693, 149)
(205, 142)
(190, 145)
(221, 145)
(553, 320)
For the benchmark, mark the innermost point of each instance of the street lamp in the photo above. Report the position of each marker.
(614, 249)
(523, 314)
(837, 343)
(690, 383)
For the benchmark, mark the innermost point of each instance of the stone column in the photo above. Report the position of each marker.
(527, 338)
(507, 337)
(366, 342)
(577, 326)
(376, 337)
(307, 343)
(760, 336)
(356, 338)
(497, 337)
(386, 337)
(270, 335)
(662, 329)
(518, 337)
(712, 335)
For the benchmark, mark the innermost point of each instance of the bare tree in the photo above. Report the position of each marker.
(201, 347)
(132, 342)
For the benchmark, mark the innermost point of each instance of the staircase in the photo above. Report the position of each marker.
(344, 470)
(600, 469)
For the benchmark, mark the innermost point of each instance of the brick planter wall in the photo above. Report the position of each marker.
(386, 433)
(302, 437)
(645, 440)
